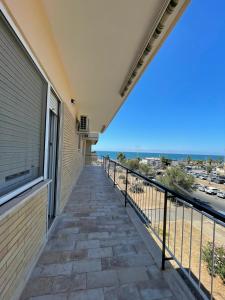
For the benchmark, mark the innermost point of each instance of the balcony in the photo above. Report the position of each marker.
(99, 249)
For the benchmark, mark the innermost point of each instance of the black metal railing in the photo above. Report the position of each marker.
(187, 229)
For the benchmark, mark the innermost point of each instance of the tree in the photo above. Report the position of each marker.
(146, 170)
(209, 169)
(175, 177)
(133, 164)
(165, 161)
(121, 157)
(210, 161)
(189, 159)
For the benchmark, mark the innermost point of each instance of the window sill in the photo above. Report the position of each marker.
(11, 205)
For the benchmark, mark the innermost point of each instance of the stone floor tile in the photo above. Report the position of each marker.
(129, 275)
(119, 250)
(114, 263)
(50, 297)
(154, 289)
(154, 272)
(62, 284)
(89, 265)
(79, 254)
(37, 287)
(100, 252)
(98, 235)
(59, 244)
(53, 269)
(124, 292)
(102, 279)
(88, 244)
(139, 260)
(92, 294)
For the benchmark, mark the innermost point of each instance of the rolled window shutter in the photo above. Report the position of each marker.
(23, 95)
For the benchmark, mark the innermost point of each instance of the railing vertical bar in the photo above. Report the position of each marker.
(169, 223)
(200, 255)
(149, 201)
(152, 205)
(126, 188)
(108, 167)
(175, 229)
(155, 220)
(164, 231)
(146, 196)
(213, 259)
(114, 175)
(182, 237)
(190, 250)
(160, 194)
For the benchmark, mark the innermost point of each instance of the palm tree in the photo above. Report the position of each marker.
(121, 157)
(210, 161)
(189, 159)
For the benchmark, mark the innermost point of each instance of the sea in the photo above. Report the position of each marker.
(173, 156)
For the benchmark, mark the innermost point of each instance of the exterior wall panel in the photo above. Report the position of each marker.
(22, 236)
(72, 159)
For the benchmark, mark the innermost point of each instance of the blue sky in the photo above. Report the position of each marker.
(178, 105)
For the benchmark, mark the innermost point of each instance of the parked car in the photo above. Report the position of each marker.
(195, 186)
(211, 190)
(202, 188)
(221, 194)
(213, 179)
(219, 180)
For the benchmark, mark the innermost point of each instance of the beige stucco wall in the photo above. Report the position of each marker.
(22, 236)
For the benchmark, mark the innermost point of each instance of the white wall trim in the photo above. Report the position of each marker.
(20, 190)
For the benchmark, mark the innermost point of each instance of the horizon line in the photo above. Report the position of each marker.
(159, 152)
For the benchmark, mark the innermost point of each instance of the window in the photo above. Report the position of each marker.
(23, 97)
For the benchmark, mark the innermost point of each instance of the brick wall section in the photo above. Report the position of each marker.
(22, 235)
(72, 159)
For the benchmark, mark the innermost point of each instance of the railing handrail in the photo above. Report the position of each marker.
(192, 201)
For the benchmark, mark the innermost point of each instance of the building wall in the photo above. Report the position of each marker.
(22, 236)
(23, 225)
(72, 159)
(36, 31)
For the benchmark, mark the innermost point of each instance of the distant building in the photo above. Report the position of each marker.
(152, 161)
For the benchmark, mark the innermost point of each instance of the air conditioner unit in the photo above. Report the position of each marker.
(84, 124)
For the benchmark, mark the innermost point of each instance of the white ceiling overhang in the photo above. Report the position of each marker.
(105, 45)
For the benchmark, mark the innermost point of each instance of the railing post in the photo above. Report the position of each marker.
(114, 176)
(108, 166)
(126, 188)
(164, 231)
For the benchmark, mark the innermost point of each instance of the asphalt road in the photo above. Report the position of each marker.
(212, 200)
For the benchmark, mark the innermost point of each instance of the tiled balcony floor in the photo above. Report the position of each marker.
(95, 252)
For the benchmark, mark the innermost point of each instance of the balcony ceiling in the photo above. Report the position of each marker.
(99, 41)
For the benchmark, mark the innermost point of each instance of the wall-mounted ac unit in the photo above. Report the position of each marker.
(84, 124)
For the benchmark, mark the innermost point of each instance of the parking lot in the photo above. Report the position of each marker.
(213, 200)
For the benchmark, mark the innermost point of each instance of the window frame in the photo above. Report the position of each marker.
(15, 192)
